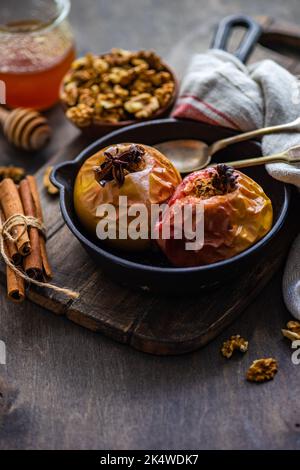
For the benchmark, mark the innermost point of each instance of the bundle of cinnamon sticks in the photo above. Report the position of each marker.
(28, 252)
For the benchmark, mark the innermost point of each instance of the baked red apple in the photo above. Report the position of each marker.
(237, 213)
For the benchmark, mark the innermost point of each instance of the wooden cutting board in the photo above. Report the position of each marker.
(148, 322)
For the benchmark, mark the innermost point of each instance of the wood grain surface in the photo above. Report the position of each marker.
(66, 387)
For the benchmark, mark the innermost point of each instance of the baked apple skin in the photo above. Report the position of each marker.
(237, 213)
(154, 183)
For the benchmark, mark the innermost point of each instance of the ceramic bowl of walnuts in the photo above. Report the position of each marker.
(106, 92)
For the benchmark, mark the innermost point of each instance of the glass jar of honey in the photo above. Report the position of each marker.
(36, 50)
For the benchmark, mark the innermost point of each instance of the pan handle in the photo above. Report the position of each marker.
(248, 42)
(62, 174)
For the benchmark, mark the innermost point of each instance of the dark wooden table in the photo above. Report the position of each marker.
(79, 390)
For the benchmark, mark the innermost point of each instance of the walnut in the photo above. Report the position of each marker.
(128, 77)
(83, 75)
(151, 106)
(13, 172)
(233, 343)
(262, 370)
(141, 69)
(116, 75)
(118, 57)
(107, 101)
(95, 90)
(134, 92)
(121, 52)
(293, 330)
(152, 59)
(120, 91)
(160, 78)
(100, 65)
(142, 106)
(113, 115)
(141, 86)
(120, 76)
(87, 98)
(105, 88)
(134, 104)
(148, 75)
(109, 104)
(47, 183)
(80, 63)
(165, 93)
(137, 61)
(68, 78)
(81, 115)
(69, 94)
(117, 86)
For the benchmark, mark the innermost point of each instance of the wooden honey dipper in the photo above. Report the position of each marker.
(25, 128)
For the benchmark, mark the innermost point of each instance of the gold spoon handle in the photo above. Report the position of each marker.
(221, 144)
(279, 158)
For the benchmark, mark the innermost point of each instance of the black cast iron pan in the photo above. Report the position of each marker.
(151, 270)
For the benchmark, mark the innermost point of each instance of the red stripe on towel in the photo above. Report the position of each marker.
(212, 108)
(188, 111)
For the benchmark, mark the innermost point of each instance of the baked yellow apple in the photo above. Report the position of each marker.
(139, 172)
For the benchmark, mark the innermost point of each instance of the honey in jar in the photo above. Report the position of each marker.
(35, 53)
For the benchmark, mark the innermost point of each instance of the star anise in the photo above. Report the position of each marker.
(225, 179)
(118, 164)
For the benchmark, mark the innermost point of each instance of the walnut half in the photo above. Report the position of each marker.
(262, 370)
(293, 330)
(142, 106)
(234, 343)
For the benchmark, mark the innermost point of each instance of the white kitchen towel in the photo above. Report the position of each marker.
(220, 90)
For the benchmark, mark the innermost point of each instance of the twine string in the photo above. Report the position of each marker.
(25, 222)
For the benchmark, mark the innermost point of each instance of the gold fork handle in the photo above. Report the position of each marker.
(223, 143)
(281, 157)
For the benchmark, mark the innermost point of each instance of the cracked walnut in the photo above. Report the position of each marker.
(234, 343)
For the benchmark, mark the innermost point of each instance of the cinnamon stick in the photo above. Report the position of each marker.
(12, 205)
(11, 246)
(33, 265)
(39, 215)
(15, 284)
